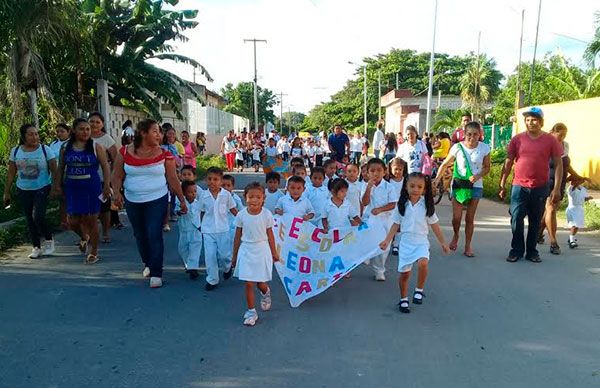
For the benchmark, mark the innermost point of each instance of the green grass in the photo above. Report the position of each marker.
(207, 161)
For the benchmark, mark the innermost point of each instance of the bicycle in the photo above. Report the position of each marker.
(444, 184)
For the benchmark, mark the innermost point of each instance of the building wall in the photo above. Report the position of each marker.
(582, 118)
(117, 115)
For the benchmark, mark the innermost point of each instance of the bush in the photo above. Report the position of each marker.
(592, 216)
(491, 183)
(206, 161)
(498, 155)
(18, 234)
(15, 209)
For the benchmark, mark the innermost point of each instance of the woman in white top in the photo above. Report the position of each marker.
(147, 172)
(413, 150)
(356, 144)
(479, 162)
(228, 150)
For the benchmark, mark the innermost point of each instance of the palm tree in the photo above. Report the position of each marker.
(28, 25)
(125, 38)
(572, 87)
(475, 91)
(593, 49)
(446, 120)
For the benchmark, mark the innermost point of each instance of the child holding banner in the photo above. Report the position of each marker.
(415, 212)
(397, 170)
(254, 245)
(317, 193)
(272, 195)
(338, 211)
(294, 204)
(379, 202)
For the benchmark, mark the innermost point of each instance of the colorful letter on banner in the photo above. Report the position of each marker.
(312, 261)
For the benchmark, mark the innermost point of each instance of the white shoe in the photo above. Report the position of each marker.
(250, 317)
(36, 253)
(166, 228)
(146, 272)
(380, 277)
(265, 300)
(155, 282)
(48, 248)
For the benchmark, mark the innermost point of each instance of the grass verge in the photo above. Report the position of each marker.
(206, 161)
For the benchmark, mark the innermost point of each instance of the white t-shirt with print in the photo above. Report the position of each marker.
(476, 156)
(413, 155)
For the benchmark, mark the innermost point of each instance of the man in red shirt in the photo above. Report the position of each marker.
(530, 152)
(459, 133)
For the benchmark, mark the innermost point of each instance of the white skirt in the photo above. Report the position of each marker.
(254, 262)
(576, 217)
(408, 253)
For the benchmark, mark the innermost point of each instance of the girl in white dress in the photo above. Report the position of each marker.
(415, 211)
(254, 250)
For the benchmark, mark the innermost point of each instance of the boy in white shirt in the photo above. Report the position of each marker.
(577, 196)
(378, 202)
(216, 204)
(317, 193)
(271, 149)
(256, 158)
(190, 237)
(294, 204)
(272, 194)
(356, 188)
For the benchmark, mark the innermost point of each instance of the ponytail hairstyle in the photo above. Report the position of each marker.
(100, 116)
(428, 194)
(23, 132)
(335, 185)
(89, 145)
(142, 127)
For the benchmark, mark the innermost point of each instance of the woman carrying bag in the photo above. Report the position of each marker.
(471, 160)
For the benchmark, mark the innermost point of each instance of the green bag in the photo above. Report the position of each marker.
(462, 187)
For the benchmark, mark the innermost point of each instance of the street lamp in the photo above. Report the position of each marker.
(364, 91)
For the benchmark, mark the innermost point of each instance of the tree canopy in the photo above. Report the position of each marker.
(240, 101)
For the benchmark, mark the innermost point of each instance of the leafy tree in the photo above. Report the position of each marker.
(446, 120)
(593, 48)
(240, 101)
(474, 84)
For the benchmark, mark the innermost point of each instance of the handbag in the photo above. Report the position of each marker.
(461, 185)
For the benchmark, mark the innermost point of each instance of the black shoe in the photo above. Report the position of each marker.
(227, 275)
(554, 249)
(418, 300)
(193, 274)
(534, 259)
(572, 244)
(540, 239)
(395, 251)
(512, 259)
(210, 287)
(403, 307)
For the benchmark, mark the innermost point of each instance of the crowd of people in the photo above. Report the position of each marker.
(331, 182)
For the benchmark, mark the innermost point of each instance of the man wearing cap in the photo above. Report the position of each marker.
(530, 152)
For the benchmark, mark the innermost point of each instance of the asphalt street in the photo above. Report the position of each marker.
(484, 322)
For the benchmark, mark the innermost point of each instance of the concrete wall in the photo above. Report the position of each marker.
(582, 118)
(117, 115)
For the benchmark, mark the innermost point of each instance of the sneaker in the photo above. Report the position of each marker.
(250, 317)
(418, 297)
(540, 239)
(166, 228)
(210, 287)
(380, 277)
(193, 274)
(395, 251)
(36, 253)
(146, 272)
(554, 249)
(227, 275)
(155, 282)
(48, 248)
(265, 300)
(403, 306)
(572, 244)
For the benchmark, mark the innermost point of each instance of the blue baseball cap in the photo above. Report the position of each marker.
(534, 111)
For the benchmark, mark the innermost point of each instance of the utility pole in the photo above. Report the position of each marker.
(254, 40)
(537, 30)
(478, 64)
(281, 94)
(397, 80)
(365, 95)
(518, 101)
(379, 92)
(431, 59)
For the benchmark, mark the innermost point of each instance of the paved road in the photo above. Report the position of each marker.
(484, 323)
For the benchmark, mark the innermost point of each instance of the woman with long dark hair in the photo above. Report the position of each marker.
(79, 160)
(147, 172)
(33, 164)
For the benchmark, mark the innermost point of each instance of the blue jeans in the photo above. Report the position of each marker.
(526, 202)
(147, 221)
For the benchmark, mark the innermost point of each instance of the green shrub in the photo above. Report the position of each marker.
(206, 161)
(17, 233)
(592, 216)
(491, 183)
(498, 155)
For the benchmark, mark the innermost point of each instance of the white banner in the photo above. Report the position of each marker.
(312, 261)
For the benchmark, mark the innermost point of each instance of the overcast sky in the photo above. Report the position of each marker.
(309, 42)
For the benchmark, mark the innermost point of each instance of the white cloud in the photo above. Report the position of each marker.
(311, 41)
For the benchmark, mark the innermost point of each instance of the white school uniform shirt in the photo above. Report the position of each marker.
(576, 196)
(381, 195)
(271, 151)
(254, 227)
(239, 154)
(355, 193)
(319, 150)
(292, 208)
(318, 197)
(199, 193)
(339, 216)
(190, 221)
(256, 154)
(238, 205)
(356, 144)
(215, 210)
(280, 145)
(397, 188)
(327, 179)
(414, 225)
(271, 199)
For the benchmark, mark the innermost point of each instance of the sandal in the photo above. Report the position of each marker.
(512, 259)
(83, 245)
(469, 254)
(106, 240)
(554, 249)
(534, 259)
(92, 259)
(418, 300)
(403, 307)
